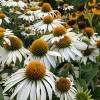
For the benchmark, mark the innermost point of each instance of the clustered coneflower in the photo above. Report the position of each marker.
(57, 39)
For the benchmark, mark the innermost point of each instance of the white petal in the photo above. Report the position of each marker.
(0, 21)
(14, 57)
(65, 54)
(54, 53)
(61, 52)
(18, 55)
(70, 54)
(62, 97)
(65, 95)
(84, 59)
(72, 95)
(42, 60)
(19, 72)
(92, 58)
(53, 40)
(80, 45)
(22, 52)
(33, 92)
(7, 20)
(17, 89)
(38, 90)
(2, 51)
(8, 41)
(21, 90)
(3, 59)
(25, 92)
(46, 37)
(68, 96)
(10, 57)
(51, 60)
(69, 29)
(50, 82)
(77, 52)
(50, 28)
(12, 84)
(43, 92)
(73, 89)
(48, 88)
(16, 77)
(46, 63)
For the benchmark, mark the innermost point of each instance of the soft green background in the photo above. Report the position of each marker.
(1, 96)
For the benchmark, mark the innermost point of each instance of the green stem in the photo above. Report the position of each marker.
(2, 23)
(15, 18)
(79, 64)
(18, 63)
(73, 72)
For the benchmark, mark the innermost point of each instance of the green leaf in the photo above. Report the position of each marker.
(96, 93)
(88, 76)
(64, 72)
(54, 98)
(16, 32)
(94, 82)
(80, 83)
(86, 67)
(1, 95)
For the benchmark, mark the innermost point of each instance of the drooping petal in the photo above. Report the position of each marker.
(54, 53)
(46, 63)
(3, 58)
(65, 54)
(18, 72)
(51, 60)
(43, 91)
(8, 41)
(38, 91)
(14, 57)
(25, 92)
(62, 97)
(21, 90)
(80, 45)
(10, 58)
(48, 88)
(12, 84)
(18, 88)
(33, 91)
(0, 21)
(16, 77)
(18, 55)
(50, 82)
(77, 52)
(70, 54)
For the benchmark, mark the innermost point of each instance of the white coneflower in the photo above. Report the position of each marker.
(46, 9)
(92, 51)
(65, 89)
(27, 29)
(58, 33)
(66, 43)
(40, 52)
(27, 16)
(67, 7)
(90, 54)
(33, 81)
(15, 3)
(4, 34)
(12, 50)
(47, 24)
(4, 18)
